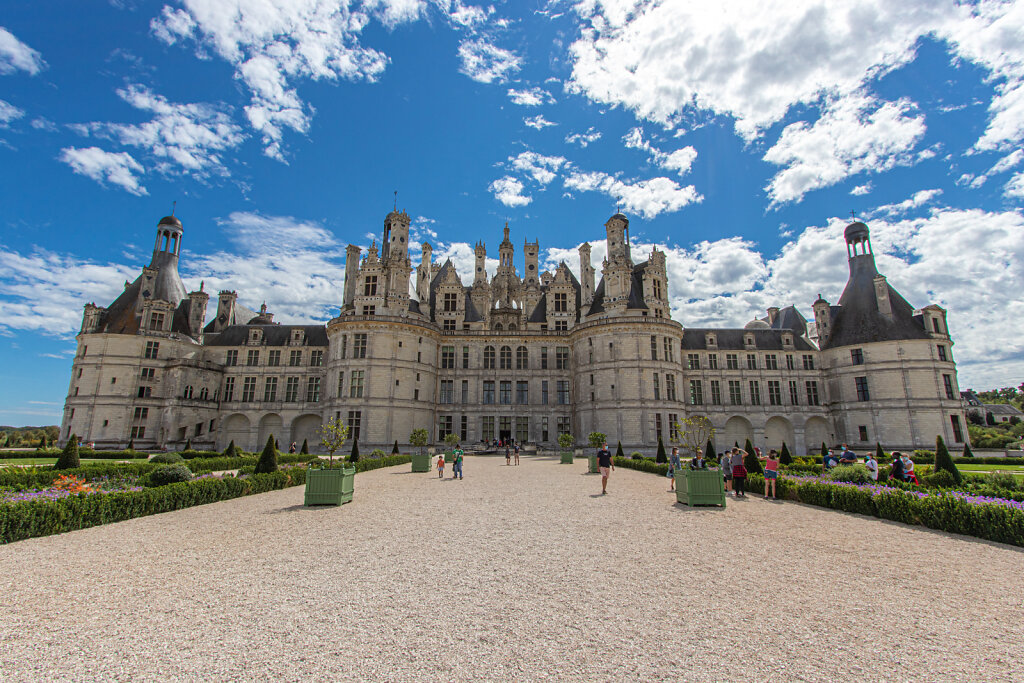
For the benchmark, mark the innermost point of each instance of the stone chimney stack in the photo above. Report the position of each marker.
(882, 296)
(197, 312)
(586, 276)
(822, 320)
(351, 273)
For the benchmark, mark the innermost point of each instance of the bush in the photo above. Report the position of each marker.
(232, 451)
(944, 462)
(968, 453)
(69, 456)
(661, 457)
(855, 474)
(750, 460)
(939, 479)
(785, 457)
(377, 453)
(394, 451)
(709, 451)
(268, 458)
(643, 465)
(167, 474)
(305, 447)
(167, 459)
(618, 451)
(636, 455)
(354, 457)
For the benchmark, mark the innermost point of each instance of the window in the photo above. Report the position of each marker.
(487, 428)
(355, 417)
(341, 384)
(505, 395)
(506, 358)
(253, 358)
(295, 359)
(544, 428)
(935, 324)
(204, 394)
(370, 285)
(270, 389)
(152, 349)
(755, 393)
(562, 358)
(313, 389)
(522, 358)
(199, 428)
(344, 346)
(564, 425)
(504, 426)
(465, 391)
(862, 388)
(732, 361)
(465, 357)
(713, 361)
(561, 326)
(771, 361)
(447, 394)
(654, 347)
(947, 383)
(138, 432)
(489, 392)
(147, 373)
(141, 414)
(863, 432)
(656, 287)
(794, 394)
(444, 426)
(248, 389)
(958, 435)
(669, 353)
(751, 361)
(561, 302)
(543, 358)
(563, 392)
(693, 361)
(156, 321)
(942, 352)
(230, 360)
(355, 384)
(145, 392)
(716, 392)
(522, 429)
(774, 392)
(735, 398)
(789, 362)
(359, 345)
(657, 425)
(673, 427)
(274, 358)
(808, 361)
(448, 324)
(464, 428)
(544, 392)
(696, 392)
(316, 358)
(657, 388)
(229, 388)
(213, 426)
(488, 358)
(447, 357)
(812, 393)
(451, 302)
(670, 387)
(419, 358)
(857, 356)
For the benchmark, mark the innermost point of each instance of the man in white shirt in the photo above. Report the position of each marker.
(872, 465)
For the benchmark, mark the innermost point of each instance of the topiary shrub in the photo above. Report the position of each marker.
(940, 479)
(131, 445)
(618, 451)
(636, 455)
(968, 453)
(354, 457)
(268, 458)
(232, 451)
(944, 462)
(69, 456)
(305, 447)
(855, 474)
(394, 451)
(709, 450)
(785, 457)
(167, 458)
(377, 453)
(879, 453)
(750, 460)
(168, 474)
(661, 457)
(188, 444)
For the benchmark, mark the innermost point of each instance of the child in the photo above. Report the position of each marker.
(771, 473)
(440, 466)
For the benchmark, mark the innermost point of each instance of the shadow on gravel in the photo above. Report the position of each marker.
(683, 507)
(300, 506)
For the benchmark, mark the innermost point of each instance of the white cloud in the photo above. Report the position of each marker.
(645, 197)
(972, 181)
(1011, 160)
(853, 135)
(538, 122)
(118, 168)
(530, 97)
(485, 62)
(17, 56)
(542, 168)
(8, 113)
(918, 199)
(509, 192)
(1015, 186)
(583, 139)
(680, 160)
(862, 189)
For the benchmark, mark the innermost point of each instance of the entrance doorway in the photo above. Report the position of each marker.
(504, 435)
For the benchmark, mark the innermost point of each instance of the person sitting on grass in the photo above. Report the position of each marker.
(771, 473)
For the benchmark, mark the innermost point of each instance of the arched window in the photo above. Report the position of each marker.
(188, 391)
(497, 326)
(204, 394)
(488, 357)
(522, 358)
(506, 358)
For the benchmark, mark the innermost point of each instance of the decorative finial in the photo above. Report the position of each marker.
(396, 200)
(174, 205)
(201, 283)
(853, 215)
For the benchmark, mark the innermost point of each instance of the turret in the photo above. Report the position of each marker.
(530, 252)
(617, 234)
(168, 242)
(395, 243)
(351, 274)
(822, 320)
(586, 276)
(91, 318)
(480, 274)
(618, 268)
(197, 312)
(506, 252)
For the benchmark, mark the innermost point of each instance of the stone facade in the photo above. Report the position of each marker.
(525, 356)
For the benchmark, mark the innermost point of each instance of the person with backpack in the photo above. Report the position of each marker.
(739, 473)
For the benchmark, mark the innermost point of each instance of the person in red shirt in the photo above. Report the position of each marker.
(771, 473)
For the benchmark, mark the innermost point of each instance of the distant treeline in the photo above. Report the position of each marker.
(27, 437)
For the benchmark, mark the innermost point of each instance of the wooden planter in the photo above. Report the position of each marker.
(566, 458)
(700, 487)
(592, 464)
(330, 486)
(420, 462)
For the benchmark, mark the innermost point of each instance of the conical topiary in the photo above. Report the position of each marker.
(824, 450)
(750, 460)
(305, 447)
(879, 453)
(231, 451)
(944, 462)
(968, 453)
(709, 450)
(394, 451)
(660, 457)
(277, 444)
(354, 457)
(785, 457)
(618, 451)
(69, 456)
(131, 445)
(268, 458)
(188, 444)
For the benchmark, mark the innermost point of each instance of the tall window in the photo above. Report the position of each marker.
(771, 361)
(561, 302)
(561, 325)
(657, 425)
(669, 353)
(794, 394)
(144, 392)
(359, 345)
(735, 398)
(487, 427)
(295, 358)
(657, 388)
(465, 391)
(341, 384)
(370, 285)
(230, 360)
(857, 356)
(152, 349)
(229, 388)
(355, 418)
(313, 389)
(464, 427)
(291, 390)
(447, 357)
(488, 392)
(713, 361)
(670, 387)
(544, 428)
(543, 358)
(732, 361)
(451, 301)
(505, 395)
(673, 427)
(344, 346)
(947, 383)
(562, 358)
(774, 392)
(958, 434)
(755, 393)
(716, 392)
(522, 429)
(812, 393)
(465, 357)
(504, 426)
(564, 425)
(444, 426)
(656, 287)
(696, 392)
(522, 392)
(248, 389)
(355, 384)
(789, 362)
(654, 347)
(316, 358)
(808, 361)
(942, 352)
(862, 388)
(447, 394)
(506, 358)
(693, 361)
(751, 361)
(253, 358)
(270, 389)
(274, 358)
(488, 358)
(563, 392)
(156, 321)
(522, 358)
(544, 392)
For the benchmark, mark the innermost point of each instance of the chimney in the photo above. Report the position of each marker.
(225, 309)
(822, 320)
(197, 312)
(773, 313)
(882, 296)
(351, 272)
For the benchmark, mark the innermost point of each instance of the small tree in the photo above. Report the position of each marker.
(968, 453)
(231, 451)
(879, 453)
(268, 458)
(277, 444)
(188, 444)
(42, 442)
(660, 457)
(944, 462)
(750, 461)
(785, 457)
(596, 439)
(990, 419)
(694, 432)
(824, 451)
(419, 438)
(709, 450)
(452, 439)
(305, 448)
(394, 451)
(131, 445)
(354, 455)
(565, 441)
(69, 456)
(618, 451)
(333, 435)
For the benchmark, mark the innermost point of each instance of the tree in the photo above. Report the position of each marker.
(944, 462)
(1014, 420)
(661, 457)
(452, 439)
(694, 431)
(333, 435)
(596, 439)
(268, 458)
(394, 451)
(785, 457)
(419, 438)
(709, 450)
(990, 419)
(968, 453)
(188, 444)
(305, 448)
(231, 451)
(824, 450)
(354, 455)
(131, 445)
(565, 441)
(975, 418)
(879, 453)
(618, 451)
(69, 456)
(3, 439)
(750, 460)
(42, 442)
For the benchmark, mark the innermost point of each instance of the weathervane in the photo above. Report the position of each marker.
(174, 205)
(853, 215)
(396, 200)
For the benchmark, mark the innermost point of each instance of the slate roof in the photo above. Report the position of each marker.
(636, 291)
(732, 339)
(273, 335)
(120, 316)
(789, 318)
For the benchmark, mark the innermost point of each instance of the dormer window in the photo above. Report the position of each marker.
(710, 340)
(748, 340)
(787, 340)
(156, 321)
(298, 336)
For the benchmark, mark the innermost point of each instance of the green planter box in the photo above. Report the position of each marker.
(592, 464)
(420, 462)
(566, 458)
(330, 486)
(700, 487)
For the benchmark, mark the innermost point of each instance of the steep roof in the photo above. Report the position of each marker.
(636, 291)
(165, 284)
(694, 339)
(273, 335)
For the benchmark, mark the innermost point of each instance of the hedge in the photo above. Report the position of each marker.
(644, 465)
(82, 453)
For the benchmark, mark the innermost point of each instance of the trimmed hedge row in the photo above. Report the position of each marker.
(82, 453)
(19, 521)
(368, 463)
(643, 465)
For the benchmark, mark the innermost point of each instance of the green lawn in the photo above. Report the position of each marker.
(51, 461)
(1015, 470)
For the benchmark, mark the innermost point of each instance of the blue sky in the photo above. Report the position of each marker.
(738, 138)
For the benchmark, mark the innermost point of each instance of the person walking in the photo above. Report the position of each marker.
(674, 463)
(872, 465)
(605, 466)
(725, 464)
(440, 466)
(515, 451)
(739, 473)
(457, 463)
(508, 454)
(771, 473)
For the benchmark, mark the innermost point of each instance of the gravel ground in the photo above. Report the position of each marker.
(513, 574)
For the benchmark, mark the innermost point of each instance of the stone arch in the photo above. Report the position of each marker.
(816, 431)
(497, 326)
(776, 430)
(237, 428)
(304, 427)
(271, 423)
(737, 429)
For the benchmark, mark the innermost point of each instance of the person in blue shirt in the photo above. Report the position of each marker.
(674, 463)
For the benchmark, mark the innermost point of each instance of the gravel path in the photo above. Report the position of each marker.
(513, 574)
